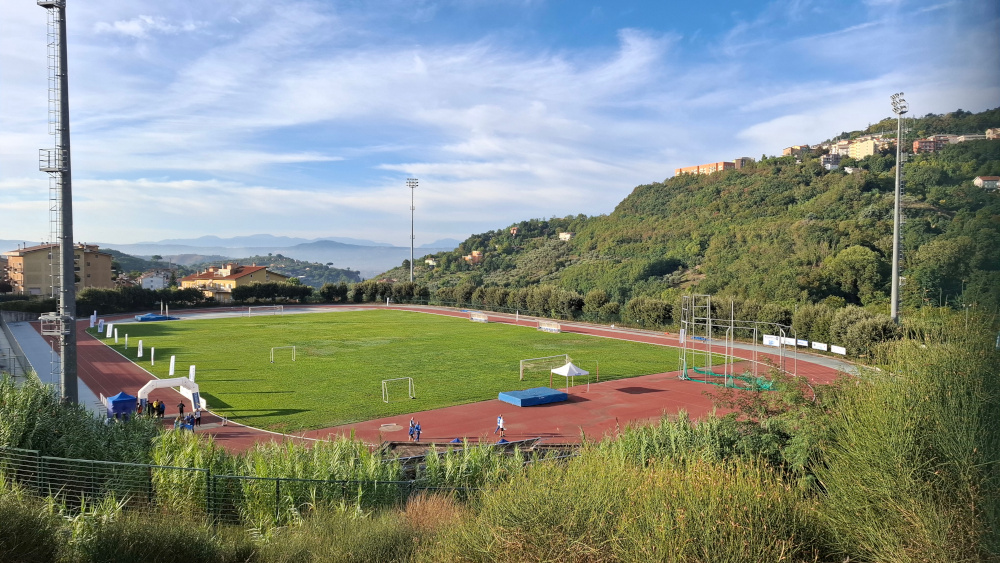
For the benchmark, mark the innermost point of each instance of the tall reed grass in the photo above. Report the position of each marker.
(913, 470)
(602, 508)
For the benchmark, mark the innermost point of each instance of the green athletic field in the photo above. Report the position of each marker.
(343, 356)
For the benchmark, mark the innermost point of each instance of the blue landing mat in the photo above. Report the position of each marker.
(532, 397)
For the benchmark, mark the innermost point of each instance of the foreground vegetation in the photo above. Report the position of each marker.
(899, 464)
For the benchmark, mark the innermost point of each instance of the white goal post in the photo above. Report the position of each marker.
(477, 317)
(282, 348)
(265, 310)
(549, 326)
(545, 363)
(395, 383)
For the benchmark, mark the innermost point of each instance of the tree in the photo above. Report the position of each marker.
(859, 272)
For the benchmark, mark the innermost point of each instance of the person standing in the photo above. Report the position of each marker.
(180, 409)
(161, 408)
(416, 430)
(499, 424)
(197, 416)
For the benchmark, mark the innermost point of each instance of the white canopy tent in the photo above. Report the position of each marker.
(569, 370)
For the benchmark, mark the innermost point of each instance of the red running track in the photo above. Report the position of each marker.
(605, 408)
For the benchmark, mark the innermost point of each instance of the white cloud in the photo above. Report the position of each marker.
(200, 117)
(140, 27)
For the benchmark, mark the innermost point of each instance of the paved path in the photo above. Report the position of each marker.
(601, 410)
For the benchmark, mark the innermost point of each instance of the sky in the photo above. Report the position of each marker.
(305, 118)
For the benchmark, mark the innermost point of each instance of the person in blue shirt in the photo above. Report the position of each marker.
(416, 429)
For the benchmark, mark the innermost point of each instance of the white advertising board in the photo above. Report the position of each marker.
(819, 346)
(771, 340)
(838, 350)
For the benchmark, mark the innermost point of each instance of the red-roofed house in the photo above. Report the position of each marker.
(218, 282)
(987, 182)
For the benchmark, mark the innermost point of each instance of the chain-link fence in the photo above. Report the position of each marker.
(234, 499)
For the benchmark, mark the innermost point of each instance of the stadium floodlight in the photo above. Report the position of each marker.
(412, 184)
(899, 107)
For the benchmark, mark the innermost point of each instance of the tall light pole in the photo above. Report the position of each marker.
(412, 184)
(899, 107)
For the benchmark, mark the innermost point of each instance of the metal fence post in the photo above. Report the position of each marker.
(277, 501)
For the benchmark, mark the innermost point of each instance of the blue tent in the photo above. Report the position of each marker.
(121, 405)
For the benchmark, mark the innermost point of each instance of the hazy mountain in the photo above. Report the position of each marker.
(8, 245)
(369, 260)
(260, 240)
(443, 243)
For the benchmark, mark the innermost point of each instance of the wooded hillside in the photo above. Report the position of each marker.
(776, 232)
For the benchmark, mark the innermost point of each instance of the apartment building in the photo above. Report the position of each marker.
(34, 270)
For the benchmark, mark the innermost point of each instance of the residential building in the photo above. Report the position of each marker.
(830, 161)
(218, 282)
(705, 168)
(933, 143)
(431, 261)
(742, 162)
(796, 151)
(565, 236)
(964, 138)
(514, 231)
(3, 270)
(993, 133)
(156, 279)
(34, 270)
(860, 149)
(841, 148)
(987, 182)
(474, 257)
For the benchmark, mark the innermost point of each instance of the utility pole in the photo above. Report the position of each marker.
(412, 184)
(899, 107)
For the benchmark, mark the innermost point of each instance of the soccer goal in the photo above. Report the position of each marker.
(392, 389)
(542, 366)
(265, 310)
(478, 317)
(549, 326)
(292, 348)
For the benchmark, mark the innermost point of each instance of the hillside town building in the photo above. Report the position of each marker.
(218, 282)
(989, 183)
(714, 166)
(34, 270)
(156, 279)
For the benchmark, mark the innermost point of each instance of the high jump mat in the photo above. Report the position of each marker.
(532, 397)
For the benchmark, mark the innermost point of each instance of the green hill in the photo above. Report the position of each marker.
(777, 231)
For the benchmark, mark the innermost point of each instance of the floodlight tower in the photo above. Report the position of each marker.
(56, 162)
(412, 184)
(899, 107)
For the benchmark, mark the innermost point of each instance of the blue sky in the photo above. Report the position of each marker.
(304, 118)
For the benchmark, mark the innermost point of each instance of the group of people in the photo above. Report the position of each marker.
(158, 408)
(189, 421)
(414, 431)
(155, 408)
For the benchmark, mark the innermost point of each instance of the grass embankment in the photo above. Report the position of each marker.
(342, 358)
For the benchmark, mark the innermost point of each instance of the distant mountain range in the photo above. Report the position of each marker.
(368, 257)
(263, 240)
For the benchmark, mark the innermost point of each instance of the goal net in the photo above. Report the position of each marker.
(265, 310)
(277, 348)
(542, 366)
(478, 317)
(397, 388)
